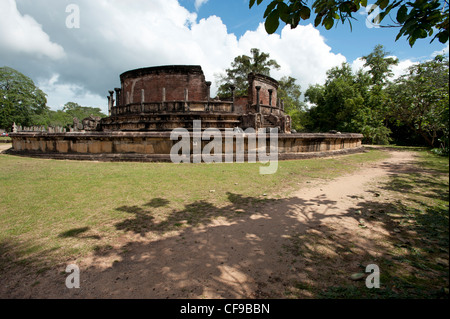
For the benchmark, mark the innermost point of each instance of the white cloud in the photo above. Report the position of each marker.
(401, 68)
(22, 34)
(444, 51)
(61, 93)
(304, 55)
(142, 33)
(398, 70)
(301, 53)
(199, 3)
(358, 64)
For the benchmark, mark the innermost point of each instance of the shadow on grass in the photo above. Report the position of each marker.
(290, 252)
(416, 265)
(76, 232)
(157, 202)
(193, 214)
(315, 261)
(422, 177)
(277, 248)
(21, 258)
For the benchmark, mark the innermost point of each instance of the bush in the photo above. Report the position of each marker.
(442, 151)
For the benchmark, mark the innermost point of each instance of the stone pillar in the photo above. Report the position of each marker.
(118, 91)
(208, 94)
(186, 98)
(110, 101)
(282, 105)
(233, 88)
(270, 99)
(109, 105)
(163, 98)
(258, 105)
(142, 100)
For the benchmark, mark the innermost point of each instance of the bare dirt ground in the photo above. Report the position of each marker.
(314, 238)
(4, 146)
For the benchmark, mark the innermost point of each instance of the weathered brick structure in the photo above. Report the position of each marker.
(164, 83)
(166, 97)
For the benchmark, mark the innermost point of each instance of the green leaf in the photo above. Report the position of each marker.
(270, 7)
(402, 13)
(383, 3)
(348, 7)
(305, 13)
(295, 6)
(285, 13)
(282, 8)
(328, 22)
(317, 20)
(419, 33)
(295, 20)
(364, 3)
(272, 22)
(286, 17)
(252, 2)
(443, 36)
(398, 35)
(382, 15)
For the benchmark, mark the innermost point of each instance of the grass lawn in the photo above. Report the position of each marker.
(46, 206)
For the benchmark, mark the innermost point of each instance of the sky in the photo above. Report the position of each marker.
(75, 50)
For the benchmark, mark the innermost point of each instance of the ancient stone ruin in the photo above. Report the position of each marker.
(163, 98)
(154, 101)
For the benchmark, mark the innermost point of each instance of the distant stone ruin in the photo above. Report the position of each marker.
(88, 124)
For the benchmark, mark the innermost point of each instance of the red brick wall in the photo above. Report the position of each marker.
(153, 80)
(266, 83)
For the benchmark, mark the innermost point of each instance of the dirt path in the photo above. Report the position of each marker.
(4, 146)
(314, 237)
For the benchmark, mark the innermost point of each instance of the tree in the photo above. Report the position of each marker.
(420, 100)
(372, 116)
(64, 117)
(354, 102)
(20, 99)
(260, 63)
(290, 93)
(242, 65)
(336, 102)
(379, 65)
(53, 118)
(81, 112)
(417, 19)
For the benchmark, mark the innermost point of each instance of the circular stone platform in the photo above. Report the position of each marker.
(156, 146)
